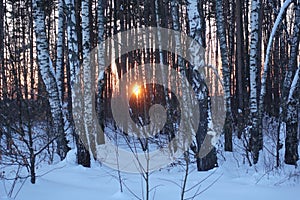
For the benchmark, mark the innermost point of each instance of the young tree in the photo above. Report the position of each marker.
(240, 64)
(101, 61)
(254, 51)
(2, 71)
(226, 74)
(60, 47)
(292, 64)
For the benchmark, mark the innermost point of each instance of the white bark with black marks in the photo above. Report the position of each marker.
(60, 47)
(291, 141)
(255, 7)
(226, 74)
(89, 81)
(49, 77)
(197, 32)
(292, 105)
(83, 156)
(90, 122)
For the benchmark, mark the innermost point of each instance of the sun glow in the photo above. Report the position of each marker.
(136, 90)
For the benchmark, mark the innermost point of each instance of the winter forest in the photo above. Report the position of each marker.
(149, 99)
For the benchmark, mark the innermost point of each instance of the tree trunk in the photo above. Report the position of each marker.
(291, 141)
(60, 50)
(240, 55)
(90, 117)
(157, 18)
(83, 156)
(101, 64)
(49, 78)
(292, 64)
(255, 7)
(3, 86)
(226, 75)
(197, 31)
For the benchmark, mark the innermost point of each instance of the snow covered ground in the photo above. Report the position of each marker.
(231, 180)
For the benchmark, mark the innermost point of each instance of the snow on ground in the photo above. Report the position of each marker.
(68, 181)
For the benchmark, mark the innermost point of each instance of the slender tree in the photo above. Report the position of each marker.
(226, 74)
(2, 71)
(101, 60)
(49, 77)
(60, 50)
(255, 6)
(291, 141)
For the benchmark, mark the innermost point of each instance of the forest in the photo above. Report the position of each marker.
(207, 81)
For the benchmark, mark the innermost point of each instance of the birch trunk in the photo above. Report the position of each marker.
(83, 156)
(158, 32)
(226, 74)
(3, 87)
(292, 65)
(197, 31)
(60, 49)
(49, 78)
(101, 64)
(291, 141)
(291, 100)
(255, 139)
(90, 123)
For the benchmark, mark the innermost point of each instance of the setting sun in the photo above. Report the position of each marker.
(136, 90)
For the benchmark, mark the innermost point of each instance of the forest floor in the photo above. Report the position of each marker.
(232, 179)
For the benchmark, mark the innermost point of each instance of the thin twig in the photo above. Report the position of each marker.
(198, 193)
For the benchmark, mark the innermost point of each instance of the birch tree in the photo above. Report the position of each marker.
(292, 65)
(157, 18)
(255, 137)
(291, 141)
(60, 49)
(226, 74)
(49, 77)
(2, 71)
(101, 61)
(292, 103)
(197, 31)
(90, 124)
(83, 156)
